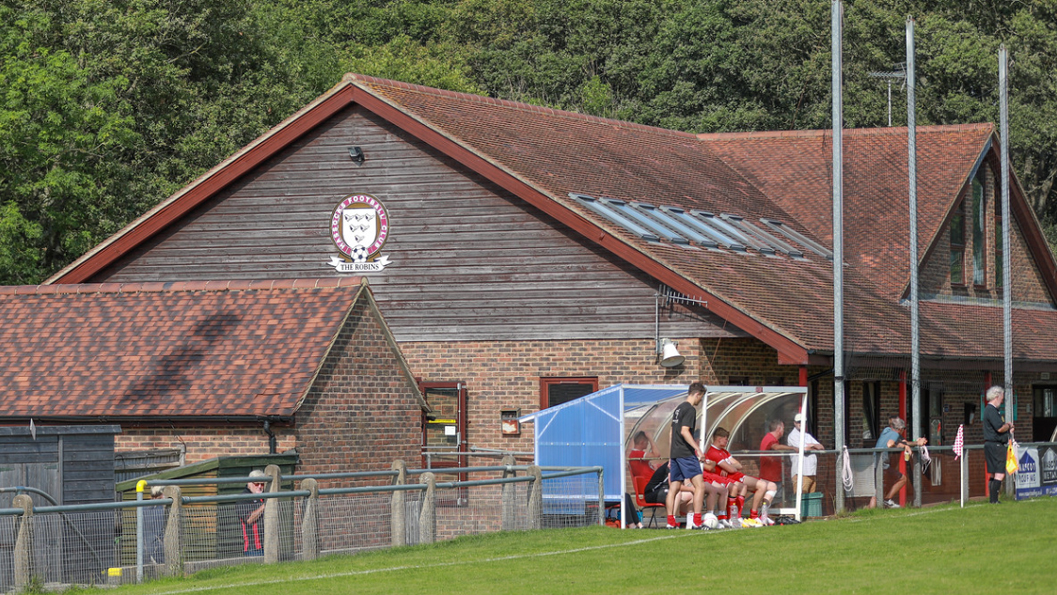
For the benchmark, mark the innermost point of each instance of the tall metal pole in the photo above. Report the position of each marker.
(1007, 282)
(912, 185)
(889, 103)
(836, 17)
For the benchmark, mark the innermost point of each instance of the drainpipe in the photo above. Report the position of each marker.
(272, 446)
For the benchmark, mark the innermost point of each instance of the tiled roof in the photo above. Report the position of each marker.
(542, 155)
(245, 349)
(794, 169)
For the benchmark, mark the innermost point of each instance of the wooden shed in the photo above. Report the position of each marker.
(73, 465)
(217, 533)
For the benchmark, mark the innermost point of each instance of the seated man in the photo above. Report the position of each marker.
(642, 450)
(656, 491)
(763, 491)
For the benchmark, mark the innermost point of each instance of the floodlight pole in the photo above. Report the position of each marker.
(1007, 282)
(836, 16)
(912, 185)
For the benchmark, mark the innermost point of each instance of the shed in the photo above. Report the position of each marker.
(596, 429)
(225, 541)
(73, 465)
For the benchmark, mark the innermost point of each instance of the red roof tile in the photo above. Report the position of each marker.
(203, 349)
(543, 154)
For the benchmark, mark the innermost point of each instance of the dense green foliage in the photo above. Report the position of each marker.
(106, 107)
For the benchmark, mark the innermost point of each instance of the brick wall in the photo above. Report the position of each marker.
(204, 442)
(1027, 280)
(728, 360)
(506, 374)
(361, 413)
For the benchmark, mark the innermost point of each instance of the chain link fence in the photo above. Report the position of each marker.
(58, 546)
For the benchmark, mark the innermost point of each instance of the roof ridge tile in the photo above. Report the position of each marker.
(528, 107)
(825, 132)
(183, 286)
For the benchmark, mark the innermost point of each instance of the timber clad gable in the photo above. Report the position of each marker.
(467, 257)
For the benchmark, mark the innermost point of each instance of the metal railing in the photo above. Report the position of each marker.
(142, 539)
(943, 480)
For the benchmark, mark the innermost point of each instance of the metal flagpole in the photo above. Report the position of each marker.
(912, 184)
(1007, 281)
(836, 17)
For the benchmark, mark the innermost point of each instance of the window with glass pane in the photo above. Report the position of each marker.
(979, 229)
(958, 245)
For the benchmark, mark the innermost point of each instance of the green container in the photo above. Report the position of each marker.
(811, 505)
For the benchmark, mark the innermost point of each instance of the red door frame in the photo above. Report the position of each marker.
(462, 443)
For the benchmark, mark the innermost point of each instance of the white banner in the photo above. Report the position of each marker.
(343, 266)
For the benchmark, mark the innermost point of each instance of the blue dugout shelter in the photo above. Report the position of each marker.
(596, 429)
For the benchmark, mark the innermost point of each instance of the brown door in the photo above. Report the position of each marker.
(444, 433)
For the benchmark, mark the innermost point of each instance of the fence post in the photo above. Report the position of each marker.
(879, 478)
(535, 500)
(24, 543)
(602, 498)
(509, 495)
(427, 519)
(140, 486)
(271, 518)
(173, 530)
(917, 479)
(309, 524)
(397, 510)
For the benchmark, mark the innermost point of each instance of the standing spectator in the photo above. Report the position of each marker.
(771, 467)
(154, 529)
(685, 461)
(810, 460)
(250, 512)
(891, 437)
(996, 441)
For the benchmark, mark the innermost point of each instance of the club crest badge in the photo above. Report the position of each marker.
(359, 228)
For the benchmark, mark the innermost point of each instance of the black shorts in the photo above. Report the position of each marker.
(995, 454)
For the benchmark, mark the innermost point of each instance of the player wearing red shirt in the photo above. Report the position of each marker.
(763, 491)
(636, 457)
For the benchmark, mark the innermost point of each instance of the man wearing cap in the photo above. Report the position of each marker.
(810, 460)
(250, 512)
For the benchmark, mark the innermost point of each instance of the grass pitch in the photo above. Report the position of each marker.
(979, 549)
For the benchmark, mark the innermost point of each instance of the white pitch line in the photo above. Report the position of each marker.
(670, 535)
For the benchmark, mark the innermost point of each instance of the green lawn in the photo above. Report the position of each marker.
(982, 548)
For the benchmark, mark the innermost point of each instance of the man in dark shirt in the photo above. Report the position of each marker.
(250, 512)
(685, 457)
(996, 440)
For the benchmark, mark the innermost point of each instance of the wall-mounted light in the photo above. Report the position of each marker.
(670, 356)
(357, 154)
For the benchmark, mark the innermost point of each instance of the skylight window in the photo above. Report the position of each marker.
(798, 237)
(733, 231)
(592, 203)
(652, 224)
(762, 235)
(703, 228)
(664, 218)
